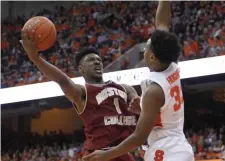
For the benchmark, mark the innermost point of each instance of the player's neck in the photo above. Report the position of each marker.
(160, 67)
(94, 81)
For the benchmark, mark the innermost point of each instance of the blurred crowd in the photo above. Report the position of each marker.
(111, 27)
(207, 143)
(51, 146)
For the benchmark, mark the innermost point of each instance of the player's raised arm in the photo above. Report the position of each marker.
(74, 92)
(163, 16)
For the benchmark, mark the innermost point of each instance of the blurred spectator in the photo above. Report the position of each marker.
(112, 27)
(207, 143)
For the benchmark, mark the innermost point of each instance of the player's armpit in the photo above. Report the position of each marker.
(74, 92)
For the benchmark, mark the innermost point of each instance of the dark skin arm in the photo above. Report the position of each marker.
(74, 92)
(131, 92)
(133, 99)
(163, 16)
(153, 100)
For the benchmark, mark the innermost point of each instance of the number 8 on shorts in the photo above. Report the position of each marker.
(159, 155)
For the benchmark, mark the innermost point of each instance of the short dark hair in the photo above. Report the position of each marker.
(165, 46)
(83, 53)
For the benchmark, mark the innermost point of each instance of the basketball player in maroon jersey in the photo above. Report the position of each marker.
(103, 106)
(162, 116)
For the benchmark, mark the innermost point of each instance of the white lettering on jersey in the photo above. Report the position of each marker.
(108, 92)
(120, 120)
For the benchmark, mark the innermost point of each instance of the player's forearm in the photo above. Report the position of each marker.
(50, 70)
(163, 14)
(128, 145)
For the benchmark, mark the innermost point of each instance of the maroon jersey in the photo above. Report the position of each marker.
(106, 118)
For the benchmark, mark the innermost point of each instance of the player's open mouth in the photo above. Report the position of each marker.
(98, 69)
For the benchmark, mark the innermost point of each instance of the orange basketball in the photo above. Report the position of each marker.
(44, 32)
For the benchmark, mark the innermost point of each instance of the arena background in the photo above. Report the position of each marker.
(49, 128)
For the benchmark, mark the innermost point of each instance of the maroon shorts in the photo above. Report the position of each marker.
(125, 157)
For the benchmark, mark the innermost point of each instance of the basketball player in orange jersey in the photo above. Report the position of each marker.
(103, 106)
(162, 116)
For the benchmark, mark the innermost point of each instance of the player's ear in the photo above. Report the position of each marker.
(152, 57)
(80, 69)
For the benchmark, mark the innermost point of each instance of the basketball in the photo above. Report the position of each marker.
(44, 32)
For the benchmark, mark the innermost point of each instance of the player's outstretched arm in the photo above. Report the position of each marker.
(163, 16)
(73, 92)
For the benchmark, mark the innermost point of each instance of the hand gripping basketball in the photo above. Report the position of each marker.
(29, 45)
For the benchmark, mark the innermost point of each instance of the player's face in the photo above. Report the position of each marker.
(91, 66)
(149, 58)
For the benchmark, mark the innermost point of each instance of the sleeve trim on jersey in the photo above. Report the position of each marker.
(85, 104)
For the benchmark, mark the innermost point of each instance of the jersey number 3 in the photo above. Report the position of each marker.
(175, 92)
